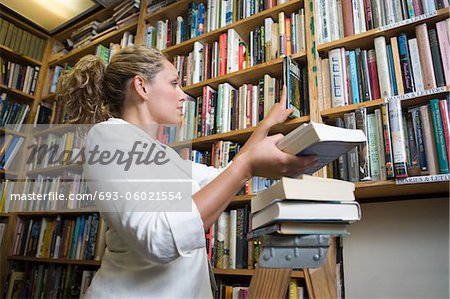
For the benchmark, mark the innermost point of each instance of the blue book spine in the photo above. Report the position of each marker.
(405, 63)
(73, 248)
(391, 70)
(354, 76)
(229, 12)
(201, 19)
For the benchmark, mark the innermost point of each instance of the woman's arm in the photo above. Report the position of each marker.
(259, 157)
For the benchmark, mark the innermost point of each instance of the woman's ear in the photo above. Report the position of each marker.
(140, 86)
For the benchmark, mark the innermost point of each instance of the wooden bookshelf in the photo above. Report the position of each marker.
(243, 27)
(240, 136)
(54, 261)
(365, 39)
(55, 129)
(8, 174)
(249, 75)
(250, 272)
(4, 131)
(4, 215)
(17, 94)
(76, 54)
(242, 199)
(411, 99)
(9, 54)
(49, 98)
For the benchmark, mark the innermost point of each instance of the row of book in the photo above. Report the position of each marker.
(60, 149)
(341, 18)
(412, 142)
(56, 238)
(405, 65)
(21, 41)
(50, 114)
(266, 42)
(10, 147)
(18, 76)
(47, 281)
(231, 53)
(12, 114)
(201, 18)
(45, 193)
(123, 14)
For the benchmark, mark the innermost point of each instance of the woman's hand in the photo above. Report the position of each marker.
(278, 114)
(265, 159)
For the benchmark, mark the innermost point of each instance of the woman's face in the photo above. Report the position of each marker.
(166, 96)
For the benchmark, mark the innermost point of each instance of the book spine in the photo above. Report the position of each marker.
(414, 165)
(418, 130)
(428, 135)
(391, 70)
(397, 137)
(439, 137)
(373, 75)
(354, 77)
(405, 63)
(336, 78)
(373, 149)
(380, 144)
(342, 160)
(415, 64)
(443, 107)
(444, 46)
(397, 66)
(352, 155)
(389, 160)
(426, 62)
(382, 66)
(436, 57)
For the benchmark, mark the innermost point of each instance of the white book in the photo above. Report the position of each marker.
(415, 62)
(268, 22)
(232, 229)
(380, 144)
(255, 105)
(336, 78)
(382, 67)
(179, 26)
(198, 57)
(323, 9)
(340, 18)
(390, 13)
(242, 106)
(304, 188)
(428, 6)
(301, 30)
(362, 17)
(326, 142)
(356, 14)
(398, 11)
(307, 211)
(373, 148)
(334, 21)
(376, 12)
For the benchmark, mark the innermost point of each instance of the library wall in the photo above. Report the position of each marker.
(399, 250)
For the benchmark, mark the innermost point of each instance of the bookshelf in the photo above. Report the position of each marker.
(366, 192)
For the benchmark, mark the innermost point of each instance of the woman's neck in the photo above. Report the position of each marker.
(142, 119)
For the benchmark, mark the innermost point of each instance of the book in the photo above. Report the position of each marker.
(292, 80)
(300, 228)
(307, 211)
(304, 187)
(327, 142)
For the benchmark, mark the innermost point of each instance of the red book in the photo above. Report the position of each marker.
(241, 56)
(417, 4)
(374, 85)
(369, 17)
(443, 107)
(287, 30)
(169, 33)
(347, 15)
(222, 54)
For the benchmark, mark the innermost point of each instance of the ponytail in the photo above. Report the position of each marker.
(81, 90)
(92, 92)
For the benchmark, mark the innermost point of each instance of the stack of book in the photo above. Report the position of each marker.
(304, 205)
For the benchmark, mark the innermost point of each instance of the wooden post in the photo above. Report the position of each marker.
(269, 283)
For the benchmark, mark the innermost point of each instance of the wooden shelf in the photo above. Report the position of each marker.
(16, 57)
(365, 39)
(407, 100)
(80, 211)
(242, 199)
(55, 169)
(250, 272)
(249, 75)
(240, 136)
(17, 94)
(8, 174)
(389, 190)
(54, 261)
(4, 131)
(4, 215)
(49, 98)
(56, 129)
(76, 54)
(243, 27)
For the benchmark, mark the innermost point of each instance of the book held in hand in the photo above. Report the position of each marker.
(324, 141)
(292, 80)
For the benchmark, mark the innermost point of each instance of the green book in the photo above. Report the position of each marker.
(439, 136)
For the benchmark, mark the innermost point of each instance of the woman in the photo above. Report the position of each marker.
(155, 253)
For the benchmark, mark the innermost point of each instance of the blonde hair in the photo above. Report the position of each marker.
(93, 92)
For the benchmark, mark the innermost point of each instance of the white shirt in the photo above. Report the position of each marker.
(149, 254)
